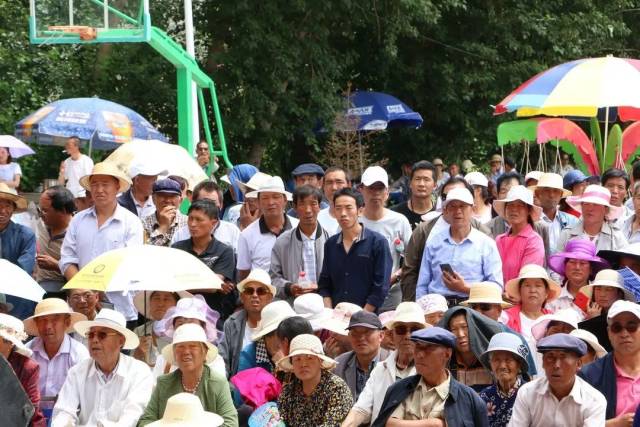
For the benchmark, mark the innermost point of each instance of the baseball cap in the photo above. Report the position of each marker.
(375, 174)
(461, 194)
(365, 319)
(308, 169)
(623, 306)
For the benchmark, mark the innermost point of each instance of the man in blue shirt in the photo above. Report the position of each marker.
(472, 256)
(17, 243)
(357, 262)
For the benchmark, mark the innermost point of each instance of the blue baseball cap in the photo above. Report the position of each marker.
(308, 169)
(573, 177)
(167, 186)
(564, 342)
(434, 335)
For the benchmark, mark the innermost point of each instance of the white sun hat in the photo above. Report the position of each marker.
(408, 312)
(111, 319)
(591, 341)
(273, 184)
(271, 316)
(311, 306)
(189, 332)
(517, 193)
(609, 278)
(433, 303)
(12, 330)
(185, 410)
(340, 317)
(597, 195)
(476, 178)
(254, 182)
(260, 276)
(540, 326)
(551, 180)
(306, 344)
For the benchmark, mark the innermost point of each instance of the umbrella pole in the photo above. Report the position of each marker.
(606, 136)
(360, 150)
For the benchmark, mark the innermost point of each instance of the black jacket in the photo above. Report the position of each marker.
(601, 374)
(126, 201)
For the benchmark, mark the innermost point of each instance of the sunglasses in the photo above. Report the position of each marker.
(259, 291)
(101, 335)
(617, 327)
(403, 330)
(482, 307)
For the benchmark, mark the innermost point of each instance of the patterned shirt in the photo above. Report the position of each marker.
(152, 229)
(500, 404)
(328, 405)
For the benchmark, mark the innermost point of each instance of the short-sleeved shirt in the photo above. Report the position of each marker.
(9, 171)
(392, 226)
(49, 245)
(414, 218)
(424, 402)
(256, 242)
(627, 392)
(76, 169)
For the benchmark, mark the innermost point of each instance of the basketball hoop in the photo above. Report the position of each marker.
(85, 32)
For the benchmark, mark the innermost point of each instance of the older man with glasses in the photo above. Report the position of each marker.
(617, 375)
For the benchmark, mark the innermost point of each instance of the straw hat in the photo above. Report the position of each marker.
(532, 271)
(48, 307)
(259, 276)
(540, 326)
(271, 316)
(258, 179)
(597, 195)
(551, 180)
(495, 158)
(433, 303)
(485, 293)
(106, 168)
(12, 330)
(517, 193)
(581, 249)
(408, 312)
(189, 332)
(507, 341)
(311, 306)
(306, 344)
(273, 184)
(340, 317)
(10, 194)
(111, 319)
(185, 410)
(609, 278)
(591, 341)
(142, 300)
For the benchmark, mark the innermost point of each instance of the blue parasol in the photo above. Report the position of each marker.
(378, 111)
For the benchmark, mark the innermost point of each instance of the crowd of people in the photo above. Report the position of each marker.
(446, 298)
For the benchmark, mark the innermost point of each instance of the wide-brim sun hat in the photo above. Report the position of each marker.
(185, 410)
(591, 341)
(540, 326)
(306, 344)
(507, 341)
(581, 249)
(386, 318)
(111, 319)
(109, 169)
(551, 180)
(311, 306)
(517, 193)
(142, 300)
(50, 307)
(10, 194)
(532, 271)
(485, 293)
(597, 195)
(12, 330)
(271, 185)
(340, 317)
(260, 276)
(190, 308)
(433, 303)
(407, 312)
(271, 316)
(190, 332)
(258, 179)
(610, 278)
(631, 250)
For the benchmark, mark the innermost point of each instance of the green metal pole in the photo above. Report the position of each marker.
(216, 112)
(185, 110)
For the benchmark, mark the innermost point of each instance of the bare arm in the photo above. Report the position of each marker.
(430, 422)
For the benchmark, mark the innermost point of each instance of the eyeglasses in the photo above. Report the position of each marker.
(259, 291)
(482, 307)
(403, 330)
(617, 327)
(79, 297)
(101, 335)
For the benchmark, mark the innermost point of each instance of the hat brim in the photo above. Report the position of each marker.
(557, 262)
(336, 326)
(407, 318)
(124, 184)
(613, 257)
(317, 323)
(500, 206)
(254, 194)
(207, 419)
(270, 327)
(20, 202)
(576, 203)
(600, 350)
(20, 347)
(212, 352)
(503, 304)
(250, 279)
(484, 357)
(512, 288)
(142, 300)
(31, 328)
(285, 362)
(131, 339)
(565, 192)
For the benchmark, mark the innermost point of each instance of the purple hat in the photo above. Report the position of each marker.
(581, 249)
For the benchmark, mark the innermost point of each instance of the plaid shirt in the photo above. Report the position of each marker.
(153, 235)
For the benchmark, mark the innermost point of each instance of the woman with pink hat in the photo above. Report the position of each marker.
(597, 215)
(521, 244)
(577, 265)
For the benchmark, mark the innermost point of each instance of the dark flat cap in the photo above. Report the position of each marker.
(168, 186)
(308, 169)
(365, 319)
(564, 342)
(434, 335)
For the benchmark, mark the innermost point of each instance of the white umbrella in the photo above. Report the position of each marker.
(16, 147)
(175, 159)
(145, 268)
(17, 282)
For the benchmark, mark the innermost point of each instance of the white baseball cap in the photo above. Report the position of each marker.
(461, 194)
(374, 174)
(622, 306)
(476, 178)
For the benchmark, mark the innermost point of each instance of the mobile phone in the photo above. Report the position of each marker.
(446, 268)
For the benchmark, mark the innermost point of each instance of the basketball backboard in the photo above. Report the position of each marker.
(89, 21)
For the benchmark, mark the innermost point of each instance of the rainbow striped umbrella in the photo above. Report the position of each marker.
(580, 88)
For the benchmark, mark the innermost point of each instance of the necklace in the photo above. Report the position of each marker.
(190, 390)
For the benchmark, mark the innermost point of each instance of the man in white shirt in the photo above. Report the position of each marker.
(75, 166)
(560, 398)
(335, 178)
(101, 228)
(110, 389)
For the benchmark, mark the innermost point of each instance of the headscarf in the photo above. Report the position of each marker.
(243, 173)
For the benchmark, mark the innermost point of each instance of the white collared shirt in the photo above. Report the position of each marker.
(53, 371)
(144, 209)
(84, 241)
(87, 400)
(536, 406)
